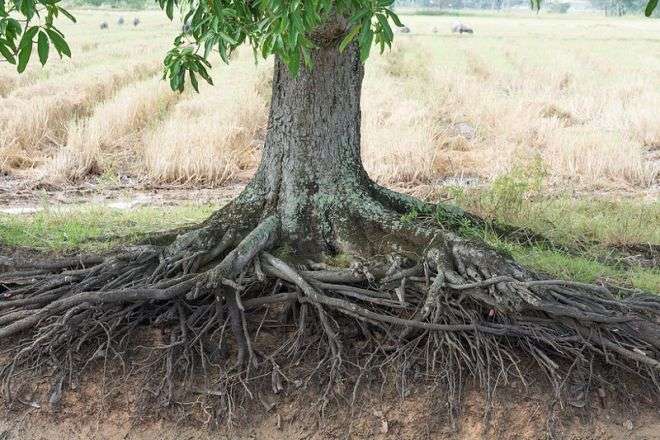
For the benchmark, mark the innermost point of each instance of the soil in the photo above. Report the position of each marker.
(517, 413)
(24, 196)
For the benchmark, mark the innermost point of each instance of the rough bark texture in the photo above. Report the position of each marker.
(311, 174)
(311, 167)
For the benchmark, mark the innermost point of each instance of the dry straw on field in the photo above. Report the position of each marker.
(212, 138)
(35, 120)
(113, 131)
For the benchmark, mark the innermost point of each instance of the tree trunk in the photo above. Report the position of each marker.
(312, 149)
(311, 170)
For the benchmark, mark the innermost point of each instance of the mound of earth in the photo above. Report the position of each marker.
(516, 412)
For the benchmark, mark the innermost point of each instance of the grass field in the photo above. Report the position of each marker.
(542, 122)
(581, 94)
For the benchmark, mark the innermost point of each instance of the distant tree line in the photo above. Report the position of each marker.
(609, 7)
(462, 4)
(118, 4)
(622, 7)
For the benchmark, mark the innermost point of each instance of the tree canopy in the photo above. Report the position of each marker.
(284, 28)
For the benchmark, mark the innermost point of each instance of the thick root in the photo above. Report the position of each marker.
(452, 310)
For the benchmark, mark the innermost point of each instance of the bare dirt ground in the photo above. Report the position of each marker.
(23, 196)
(517, 413)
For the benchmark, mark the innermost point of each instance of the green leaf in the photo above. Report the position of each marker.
(366, 38)
(389, 35)
(650, 6)
(358, 16)
(169, 9)
(227, 38)
(394, 18)
(67, 14)
(307, 59)
(193, 81)
(6, 53)
(60, 44)
(27, 8)
(13, 28)
(294, 64)
(24, 57)
(349, 38)
(26, 39)
(42, 47)
(204, 74)
(222, 48)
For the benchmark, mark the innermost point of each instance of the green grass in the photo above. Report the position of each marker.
(583, 222)
(587, 227)
(585, 268)
(586, 236)
(92, 228)
(519, 198)
(584, 239)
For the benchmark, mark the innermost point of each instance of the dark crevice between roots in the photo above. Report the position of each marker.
(213, 300)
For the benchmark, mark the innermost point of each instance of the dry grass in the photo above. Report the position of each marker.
(399, 121)
(114, 130)
(7, 83)
(526, 89)
(210, 138)
(580, 93)
(34, 121)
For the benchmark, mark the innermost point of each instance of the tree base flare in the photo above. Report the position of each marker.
(230, 307)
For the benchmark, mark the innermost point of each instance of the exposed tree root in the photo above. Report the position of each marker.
(452, 310)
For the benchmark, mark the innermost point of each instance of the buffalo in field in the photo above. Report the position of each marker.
(460, 28)
(136, 21)
(104, 25)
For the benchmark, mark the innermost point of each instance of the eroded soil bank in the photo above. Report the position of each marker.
(517, 413)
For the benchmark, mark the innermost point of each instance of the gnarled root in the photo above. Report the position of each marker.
(453, 310)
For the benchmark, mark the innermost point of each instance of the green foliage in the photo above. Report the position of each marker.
(410, 217)
(26, 23)
(96, 228)
(584, 268)
(508, 193)
(582, 237)
(271, 27)
(339, 260)
(570, 222)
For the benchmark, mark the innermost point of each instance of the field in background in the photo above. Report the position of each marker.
(578, 95)
(547, 123)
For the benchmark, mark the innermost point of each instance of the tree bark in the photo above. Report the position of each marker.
(311, 160)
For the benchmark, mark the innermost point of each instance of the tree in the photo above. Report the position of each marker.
(417, 288)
